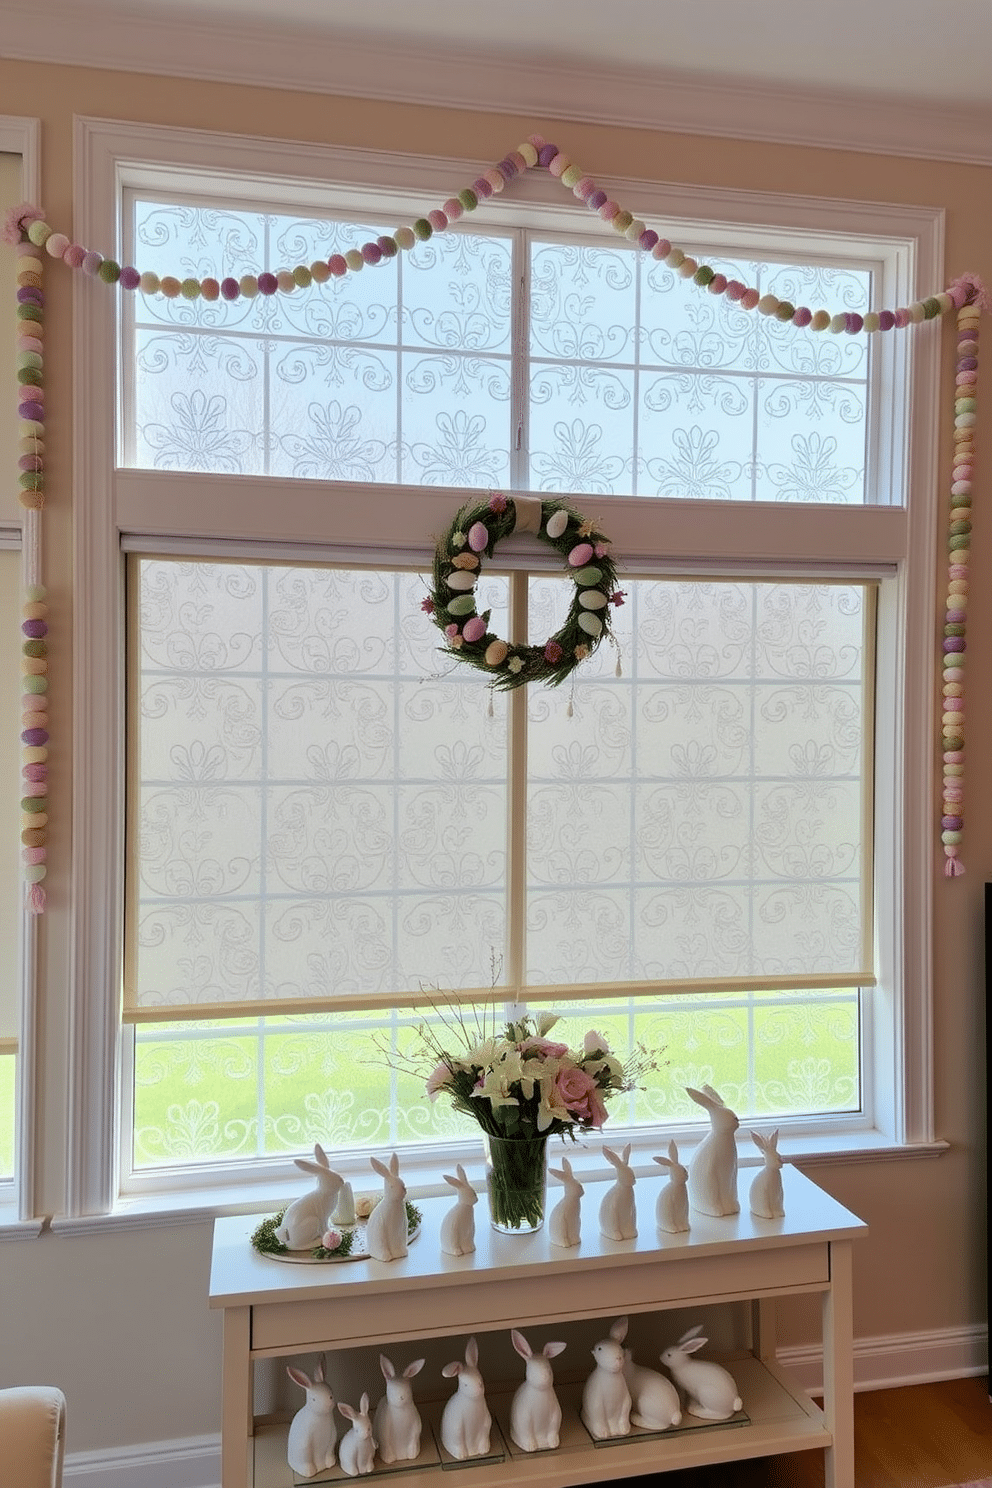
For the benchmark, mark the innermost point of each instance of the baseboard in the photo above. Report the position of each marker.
(193, 1462)
(879, 1363)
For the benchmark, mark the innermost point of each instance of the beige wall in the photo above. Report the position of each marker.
(121, 1322)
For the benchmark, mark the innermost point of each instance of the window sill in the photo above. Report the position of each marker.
(197, 1206)
(12, 1228)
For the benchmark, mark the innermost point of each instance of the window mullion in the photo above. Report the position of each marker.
(516, 800)
(519, 362)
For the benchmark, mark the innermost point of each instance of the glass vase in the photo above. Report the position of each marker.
(516, 1182)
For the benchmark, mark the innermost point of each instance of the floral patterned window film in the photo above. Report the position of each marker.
(487, 358)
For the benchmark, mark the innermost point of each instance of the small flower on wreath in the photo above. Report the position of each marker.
(581, 652)
(497, 502)
(618, 596)
(515, 664)
(601, 549)
(428, 606)
(587, 529)
(455, 638)
(553, 653)
(458, 539)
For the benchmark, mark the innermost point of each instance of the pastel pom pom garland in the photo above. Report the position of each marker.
(24, 228)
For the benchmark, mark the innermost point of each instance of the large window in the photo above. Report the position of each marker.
(710, 842)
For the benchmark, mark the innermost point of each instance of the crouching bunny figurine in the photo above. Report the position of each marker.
(397, 1423)
(765, 1199)
(357, 1450)
(465, 1421)
(563, 1221)
(654, 1400)
(713, 1165)
(617, 1218)
(711, 1393)
(307, 1218)
(312, 1432)
(386, 1232)
(535, 1415)
(672, 1209)
(605, 1396)
(458, 1225)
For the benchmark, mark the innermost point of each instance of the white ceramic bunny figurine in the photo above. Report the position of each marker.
(617, 1218)
(654, 1400)
(535, 1415)
(357, 1450)
(711, 1393)
(312, 1431)
(386, 1232)
(713, 1165)
(458, 1225)
(672, 1209)
(766, 1199)
(397, 1423)
(605, 1396)
(307, 1218)
(465, 1421)
(563, 1221)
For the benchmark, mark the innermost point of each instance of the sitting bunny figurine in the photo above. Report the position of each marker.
(765, 1198)
(563, 1221)
(655, 1403)
(397, 1424)
(465, 1421)
(711, 1393)
(713, 1165)
(605, 1396)
(386, 1232)
(307, 1218)
(617, 1218)
(535, 1415)
(672, 1209)
(312, 1432)
(357, 1450)
(458, 1225)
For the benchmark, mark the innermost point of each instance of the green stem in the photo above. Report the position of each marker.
(516, 1180)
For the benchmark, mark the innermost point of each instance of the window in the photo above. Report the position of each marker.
(700, 854)
(11, 892)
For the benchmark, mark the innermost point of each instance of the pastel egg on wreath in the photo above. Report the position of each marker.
(478, 537)
(588, 576)
(462, 604)
(474, 629)
(496, 653)
(591, 624)
(580, 555)
(593, 599)
(557, 522)
(461, 579)
(465, 560)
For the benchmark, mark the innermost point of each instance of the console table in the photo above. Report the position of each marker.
(276, 1310)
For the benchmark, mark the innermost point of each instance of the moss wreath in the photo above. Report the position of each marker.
(473, 535)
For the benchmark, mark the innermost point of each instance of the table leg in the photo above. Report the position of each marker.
(764, 1339)
(237, 1406)
(838, 1368)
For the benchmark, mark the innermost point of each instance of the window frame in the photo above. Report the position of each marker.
(894, 542)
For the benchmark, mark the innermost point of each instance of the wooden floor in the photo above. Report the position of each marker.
(922, 1436)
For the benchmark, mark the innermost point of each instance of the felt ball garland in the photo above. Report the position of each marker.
(24, 227)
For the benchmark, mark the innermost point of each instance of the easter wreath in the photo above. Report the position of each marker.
(473, 535)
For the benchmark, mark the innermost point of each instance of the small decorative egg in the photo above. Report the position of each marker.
(474, 629)
(580, 555)
(557, 522)
(462, 604)
(587, 576)
(478, 537)
(465, 560)
(461, 579)
(591, 624)
(593, 599)
(496, 653)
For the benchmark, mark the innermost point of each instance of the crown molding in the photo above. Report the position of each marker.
(501, 81)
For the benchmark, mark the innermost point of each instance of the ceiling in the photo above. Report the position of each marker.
(916, 49)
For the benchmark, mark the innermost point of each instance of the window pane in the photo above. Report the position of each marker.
(321, 810)
(400, 373)
(702, 816)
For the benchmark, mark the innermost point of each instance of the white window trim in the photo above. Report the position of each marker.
(22, 136)
(107, 504)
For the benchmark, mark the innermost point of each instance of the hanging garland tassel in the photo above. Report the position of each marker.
(34, 623)
(959, 554)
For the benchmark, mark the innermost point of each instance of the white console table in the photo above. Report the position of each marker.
(275, 1310)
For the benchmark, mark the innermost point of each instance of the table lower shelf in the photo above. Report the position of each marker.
(778, 1417)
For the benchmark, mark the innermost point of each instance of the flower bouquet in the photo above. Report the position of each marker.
(522, 1087)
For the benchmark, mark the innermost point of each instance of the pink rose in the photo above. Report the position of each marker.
(331, 1239)
(578, 1093)
(545, 1047)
